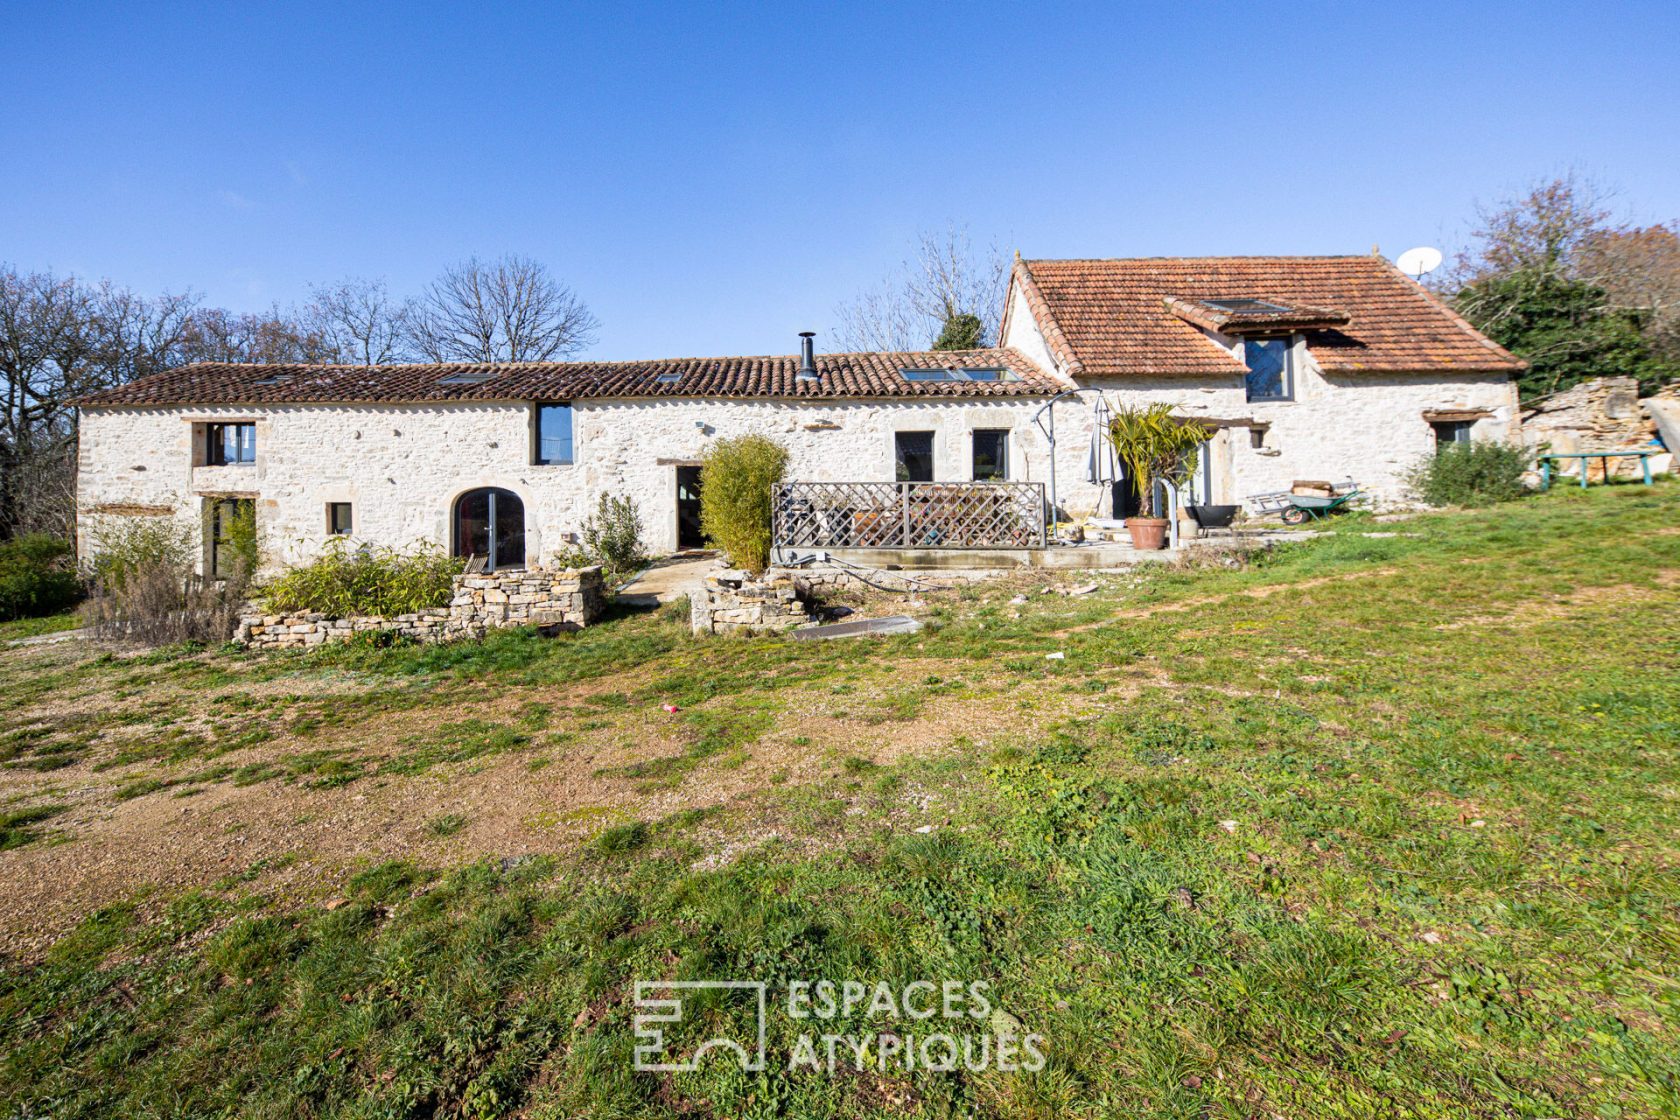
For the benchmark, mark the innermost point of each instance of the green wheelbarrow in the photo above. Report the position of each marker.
(1304, 507)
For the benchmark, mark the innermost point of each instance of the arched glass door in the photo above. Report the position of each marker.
(490, 522)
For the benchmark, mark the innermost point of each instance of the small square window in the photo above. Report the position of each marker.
(1257, 438)
(229, 444)
(338, 519)
(1268, 362)
(1449, 432)
(991, 454)
(553, 435)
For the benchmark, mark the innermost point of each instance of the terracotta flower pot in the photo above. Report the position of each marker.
(1147, 532)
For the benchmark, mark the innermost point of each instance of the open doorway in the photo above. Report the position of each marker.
(689, 534)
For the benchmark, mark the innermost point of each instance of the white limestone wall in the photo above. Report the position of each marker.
(402, 466)
(1365, 426)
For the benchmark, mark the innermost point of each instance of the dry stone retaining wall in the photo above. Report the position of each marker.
(568, 599)
(731, 602)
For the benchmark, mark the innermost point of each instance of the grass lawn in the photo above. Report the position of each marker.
(1385, 824)
(33, 627)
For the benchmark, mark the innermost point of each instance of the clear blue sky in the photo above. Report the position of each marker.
(712, 179)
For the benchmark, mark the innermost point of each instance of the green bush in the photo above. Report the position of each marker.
(736, 478)
(36, 577)
(612, 538)
(1471, 474)
(366, 580)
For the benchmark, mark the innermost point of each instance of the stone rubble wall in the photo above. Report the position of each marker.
(567, 599)
(1599, 415)
(816, 583)
(731, 602)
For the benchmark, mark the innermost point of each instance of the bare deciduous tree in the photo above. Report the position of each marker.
(1640, 269)
(358, 323)
(61, 339)
(507, 310)
(215, 335)
(1540, 232)
(943, 279)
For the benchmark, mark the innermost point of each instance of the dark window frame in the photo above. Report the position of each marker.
(537, 457)
(218, 538)
(1286, 376)
(333, 529)
(495, 497)
(1001, 454)
(1455, 431)
(244, 443)
(902, 461)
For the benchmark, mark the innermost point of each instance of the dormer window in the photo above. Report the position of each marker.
(1270, 369)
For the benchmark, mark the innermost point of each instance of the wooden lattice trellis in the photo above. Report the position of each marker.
(909, 515)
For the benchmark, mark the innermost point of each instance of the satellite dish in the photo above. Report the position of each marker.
(1418, 262)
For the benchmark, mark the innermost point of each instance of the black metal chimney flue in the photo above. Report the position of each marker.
(807, 358)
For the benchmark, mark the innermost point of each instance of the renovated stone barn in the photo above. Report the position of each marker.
(1300, 367)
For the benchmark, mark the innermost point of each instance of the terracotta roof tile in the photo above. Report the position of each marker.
(843, 376)
(1114, 314)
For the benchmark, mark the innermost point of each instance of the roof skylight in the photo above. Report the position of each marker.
(667, 378)
(467, 377)
(954, 374)
(1245, 306)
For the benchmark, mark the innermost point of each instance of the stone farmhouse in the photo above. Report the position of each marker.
(1300, 367)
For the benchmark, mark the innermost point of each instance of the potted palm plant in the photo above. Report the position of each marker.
(1154, 444)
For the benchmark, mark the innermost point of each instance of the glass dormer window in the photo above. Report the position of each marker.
(1270, 369)
(1245, 306)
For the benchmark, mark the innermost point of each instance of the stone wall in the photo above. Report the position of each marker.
(814, 584)
(1603, 414)
(731, 602)
(401, 467)
(567, 599)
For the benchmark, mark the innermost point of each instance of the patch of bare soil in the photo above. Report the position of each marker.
(1265, 591)
(1534, 612)
(549, 797)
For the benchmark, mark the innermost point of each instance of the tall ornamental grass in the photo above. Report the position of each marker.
(736, 480)
(147, 587)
